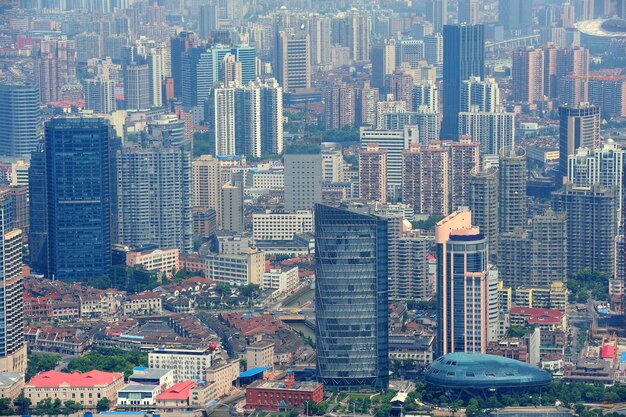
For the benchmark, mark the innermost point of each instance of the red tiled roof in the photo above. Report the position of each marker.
(51, 379)
(178, 391)
(550, 312)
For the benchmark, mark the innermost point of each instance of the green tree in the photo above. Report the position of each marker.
(250, 290)
(5, 407)
(23, 404)
(41, 362)
(109, 360)
(223, 288)
(473, 408)
(72, 407)
(103, 404)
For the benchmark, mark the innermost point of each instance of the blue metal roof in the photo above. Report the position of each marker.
(254, 371)
(622, 357)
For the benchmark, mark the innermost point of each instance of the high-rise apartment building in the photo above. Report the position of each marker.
(231, 70)
(223, 120)
(20, 118)
(373, 173)
(468, 11)
(359, 26)
(231, 210)
(591, 226)
(579, 128)
(206, 182)
(78, 193)
(425, 94)
(339, 106)
(608, 93)
(303, 181)
(516, 16)
(154, 196)
(56, 65)
(426, 122)
(248, 121)
(320, 35)
(483, 204)
(155, 79)
(136, 86)
(351, 304)
(527, 75)
(292, 64)
(573, 89)
(208, 19)
(481, 95)
(464, 159)
(197, 76)
(493, 131)
(467, 298)
(561, 62)
(100, 95)
(383, 62)
(425, 181)
(178, 46)
(366, 99)
(399, 85)
(512, 179)
(463, 57)
(271, 116)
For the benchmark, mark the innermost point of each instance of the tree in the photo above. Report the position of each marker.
(5, 407)
(41, 362)
(23, 404)
(473, 408)
(222, 288)
(250, 290)
(72, 407)
(103, 404)
(322, 407)
(293, 413)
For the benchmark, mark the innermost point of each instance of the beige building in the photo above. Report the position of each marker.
(260, 354)
(222, 376)
(527, 74)
(166, 261)
(281, 225)
(373, 173)
(236, 269)
(425, 184)
(11, 384)
(281, 279)
(148, 302)
(188, 364)
(86, 389)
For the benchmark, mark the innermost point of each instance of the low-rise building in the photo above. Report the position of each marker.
(414, 347)
(187, 364)
(176, 397)
(279, 225)
(85, 388)
(554, 297)
(281, 279)
(11, 384)
(544, 318)
(148, 302)
(222, 376)
(164, 378)
(134, 397)
(260, 355)
(236, 269)
(281, 396)
(166, 261)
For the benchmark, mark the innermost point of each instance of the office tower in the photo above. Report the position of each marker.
(433, 49)
(359, 26)
(437, 14)
(408, 262)
(292, 65)
(197, 77)
(512, 201)
(573, 90)
(271, 117)
(208, 19)
(37, 212)
(494, 131)
(483, 203)
(373, 174)
(100, 95)
(464, 159)
(464, 286)
(56, 65)
(231, 207)
(332, 165)
(320, 35)
(207, 181)
(516, 16)
(409, 51)
(154, 196)
(608, 93)
(425, 94)
(223, 99)
(579, 128)
(426, 122)
(231, 70)
(12, 343)
(78, 192)
(527, 75)
(463, 57)
(303, 181)
(394, 142)
(339, 106)
(136, 87)
(468, 11)
(365, 105)
(483, 95)
(383, 62)
(20, 118)
(155, 79)
(400, 86)
(535, 256)
(567, 15)
(591, 226)
(246, 55)
(88, 45)
(351, 304)
(384, 107)
(178, 46)
(248, 121)
(584, 9)
(425, 183)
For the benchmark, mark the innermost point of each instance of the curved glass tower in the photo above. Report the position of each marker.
(351, 304)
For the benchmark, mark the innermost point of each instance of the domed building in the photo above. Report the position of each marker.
(599, 34)
(476, 371)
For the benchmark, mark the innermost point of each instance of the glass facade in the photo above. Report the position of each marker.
(351, 298)
(78, 191)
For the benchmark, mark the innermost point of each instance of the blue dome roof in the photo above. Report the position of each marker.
(476, 370)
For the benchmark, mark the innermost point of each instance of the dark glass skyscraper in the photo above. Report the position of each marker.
(20, 118)
(38, 212)
(351, 298)
(78, 182)
(463, 57)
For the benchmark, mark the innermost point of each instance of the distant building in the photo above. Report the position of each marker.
(425, 179)
(303, 181)
(236, 270)
(483, 203)
(166, 261)
(373, 173)
(512, 200)
(281, 396)
(20, 118)
(292, 64)
(579, 128)
(188, 364)
(260, 355)
(281, 225)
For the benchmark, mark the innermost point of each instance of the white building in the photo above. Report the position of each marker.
(266, 180)
(236, 270)
(283, 280)
(188, 364)
(281, 225)
(303, 181)
(135, 397)
(332, 166)
(426, 94)
(493, 131)
(484, 94)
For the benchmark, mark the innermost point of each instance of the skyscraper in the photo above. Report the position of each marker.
(463, 57)
(320, 35)
(248, 121)
(136, 86)
(493, 131)
(425, 183)
(512, 200)
(437, 14)
(292, 64)
(339, 106)
(426, 94)
(468, 11)
(223, 101)
(155, 78)
(359, 26)
(465, 286)
(483, 203)
(483, 95)
(383, 62)
(464, 159)
(373, 174)
(271, 117)
(100, 95)
(351, 303)
(303, 180)
(527, 74)
(579, 128)
(208, 19)
(154, 196)
(38, 212)
(78, 188)
(516, 16)
(178, 46)
(20, 118)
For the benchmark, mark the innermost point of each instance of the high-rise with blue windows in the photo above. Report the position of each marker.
(78, 187)
(247, 56)
(351, 298)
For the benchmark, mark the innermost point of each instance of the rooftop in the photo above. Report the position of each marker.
(52, 379)
(178, 391)
(10, 378)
